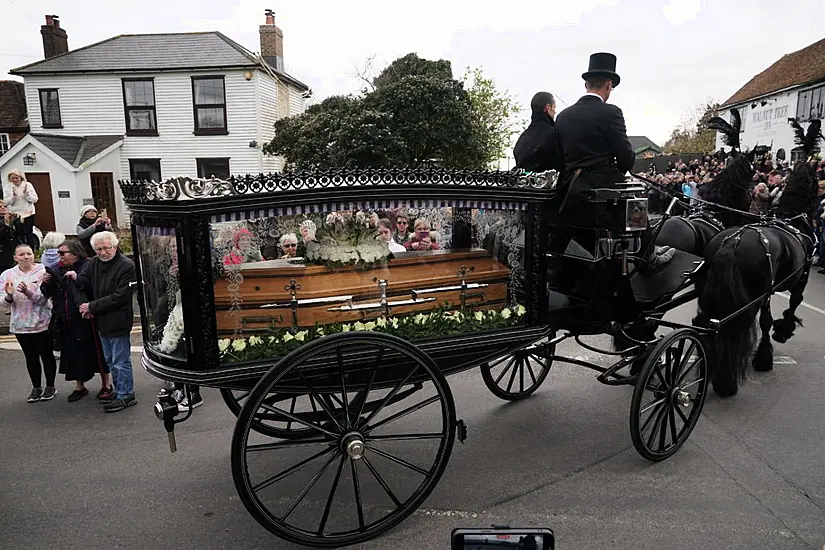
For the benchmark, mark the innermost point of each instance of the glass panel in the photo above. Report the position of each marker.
(211, 118)
(140, 94)
(141, 120)
(815, 98)
(335, 263)
(5, 144)
(51, 107)
(209, 91)
(161, 290)
(218, 168)
(148, 170)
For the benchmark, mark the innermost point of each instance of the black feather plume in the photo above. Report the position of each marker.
(729, 130)
(799, 132)
(812, 137)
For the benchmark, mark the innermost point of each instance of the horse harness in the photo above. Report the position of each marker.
(785, 227)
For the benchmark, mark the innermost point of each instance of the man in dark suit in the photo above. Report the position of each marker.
(535, 149)
(591, 138)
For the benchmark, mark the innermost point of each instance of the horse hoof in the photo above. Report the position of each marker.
(762, 368)
(725, 391)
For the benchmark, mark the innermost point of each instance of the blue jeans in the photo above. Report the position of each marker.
(118, 354)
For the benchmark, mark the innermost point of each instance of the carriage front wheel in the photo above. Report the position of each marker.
(518, 375)
(669, 395)
(367, 466)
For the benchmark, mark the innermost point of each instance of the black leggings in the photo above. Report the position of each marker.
(38, 347)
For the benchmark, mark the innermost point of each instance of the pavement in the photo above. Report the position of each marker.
(751, 475)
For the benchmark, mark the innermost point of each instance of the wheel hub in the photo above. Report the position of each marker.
(353, 445)
(681, 397)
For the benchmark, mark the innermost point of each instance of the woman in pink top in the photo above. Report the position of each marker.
(30, 316)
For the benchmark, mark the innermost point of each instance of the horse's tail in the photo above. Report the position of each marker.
(722, 294)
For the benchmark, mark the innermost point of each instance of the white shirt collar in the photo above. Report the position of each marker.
(594, 95)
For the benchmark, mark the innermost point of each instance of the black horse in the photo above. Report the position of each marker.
(745, 266)
(730, 188)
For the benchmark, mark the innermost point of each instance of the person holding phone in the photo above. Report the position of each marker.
(422, 237)
(90, 223)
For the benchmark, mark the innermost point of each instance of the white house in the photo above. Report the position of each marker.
(793, 87)
(146, 107)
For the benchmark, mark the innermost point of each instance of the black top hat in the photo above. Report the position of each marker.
(603, 64)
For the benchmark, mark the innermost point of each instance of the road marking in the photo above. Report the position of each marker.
(783, 360)
(804, 304)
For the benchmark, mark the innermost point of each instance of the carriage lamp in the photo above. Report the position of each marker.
(29, 159)
(248, 75)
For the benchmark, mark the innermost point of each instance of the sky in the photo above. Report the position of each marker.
(672, 54)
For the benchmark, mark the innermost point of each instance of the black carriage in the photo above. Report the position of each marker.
(334, 353)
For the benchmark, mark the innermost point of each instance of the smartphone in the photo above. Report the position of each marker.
(540, 538)
(423, 235)
(103, 214)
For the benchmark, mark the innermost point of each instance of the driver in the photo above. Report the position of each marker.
(535, 148)
(591, 138)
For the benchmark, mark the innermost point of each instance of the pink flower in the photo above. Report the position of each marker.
(232, 259)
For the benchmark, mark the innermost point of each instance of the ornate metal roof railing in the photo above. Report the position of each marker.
(186, 188)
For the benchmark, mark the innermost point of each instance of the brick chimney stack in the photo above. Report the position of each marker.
(272, 42)
(55, 39)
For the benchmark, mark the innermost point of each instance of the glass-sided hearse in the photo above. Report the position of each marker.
(329, 324)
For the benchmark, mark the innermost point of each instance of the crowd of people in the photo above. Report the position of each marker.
(766, 187)
(77, 301)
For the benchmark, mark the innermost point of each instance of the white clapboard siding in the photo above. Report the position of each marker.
(93, 105)
(268, 115)
(89, 104)
(296, 102)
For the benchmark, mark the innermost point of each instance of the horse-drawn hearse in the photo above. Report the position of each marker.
(334, 353)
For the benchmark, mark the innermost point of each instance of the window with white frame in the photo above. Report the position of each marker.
(5, 144)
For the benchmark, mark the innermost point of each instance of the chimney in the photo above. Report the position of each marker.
(272, 42)
(55, 39)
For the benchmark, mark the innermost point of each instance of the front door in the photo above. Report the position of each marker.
(44, 207)
(103, 193)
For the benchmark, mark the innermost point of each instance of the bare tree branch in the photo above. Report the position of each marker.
(365, 73)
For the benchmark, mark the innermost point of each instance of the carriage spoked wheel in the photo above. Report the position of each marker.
(303, 406)
(270, 424)
(518, 375)
(669, 395)
(359, 473)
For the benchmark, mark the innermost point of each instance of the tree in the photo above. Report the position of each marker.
(494, 114)
(692, 134)
(416, 114)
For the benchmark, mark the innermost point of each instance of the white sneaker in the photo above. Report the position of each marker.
(197, 401)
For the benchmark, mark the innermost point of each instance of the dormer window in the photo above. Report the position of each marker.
(50, 108)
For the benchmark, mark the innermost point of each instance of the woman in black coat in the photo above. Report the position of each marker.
(81, 356)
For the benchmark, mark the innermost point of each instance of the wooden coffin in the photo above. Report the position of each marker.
(347, 295)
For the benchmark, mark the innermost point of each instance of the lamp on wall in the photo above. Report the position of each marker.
(29, 159)
(248, 75)
(763, 103)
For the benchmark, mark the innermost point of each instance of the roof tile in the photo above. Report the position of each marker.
(12, 105)
(801, 67)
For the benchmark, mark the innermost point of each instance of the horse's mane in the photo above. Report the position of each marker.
(800, 193)
(731, 186)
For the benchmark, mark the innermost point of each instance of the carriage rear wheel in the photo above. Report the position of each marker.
(669, 395)
(518, 375)
(269, 424)
(359, 473)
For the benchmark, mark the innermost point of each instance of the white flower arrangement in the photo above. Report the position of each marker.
(173, 331)
(344, 239)
(420, 325)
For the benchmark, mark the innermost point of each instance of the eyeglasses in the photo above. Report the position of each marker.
(401, 222)
(102, 248)
(63, 252)
(290, 245)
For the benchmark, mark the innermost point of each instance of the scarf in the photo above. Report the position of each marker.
(85, 222)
